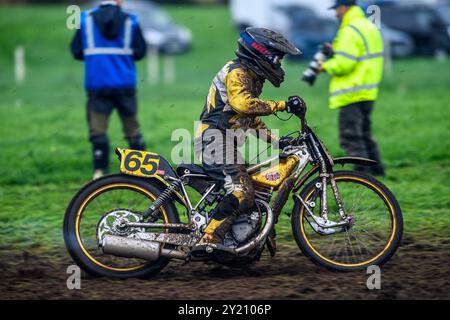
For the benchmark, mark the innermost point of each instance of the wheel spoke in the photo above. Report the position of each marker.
(349, 242)
(123, 198)
(365, 247)
(368, 235)
(358, 243)
(373, 236)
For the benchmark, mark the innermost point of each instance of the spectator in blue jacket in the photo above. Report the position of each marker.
(110, 41)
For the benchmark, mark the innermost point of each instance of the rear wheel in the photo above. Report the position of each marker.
(95, 207)
(374, 235)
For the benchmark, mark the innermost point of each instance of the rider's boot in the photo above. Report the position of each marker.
(211, 244)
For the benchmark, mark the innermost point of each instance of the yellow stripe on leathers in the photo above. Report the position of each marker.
(242, 99)
(213, 225)
(200, 129)
(212, 98)
(239, 195)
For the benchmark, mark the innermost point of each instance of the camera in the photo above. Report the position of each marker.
(324, 53)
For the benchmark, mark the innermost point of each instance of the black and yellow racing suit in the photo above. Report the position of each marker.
(232, 103)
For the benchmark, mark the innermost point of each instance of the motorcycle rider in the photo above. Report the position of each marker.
(233, 103)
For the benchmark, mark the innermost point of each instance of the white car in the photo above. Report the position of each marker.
(159, 30)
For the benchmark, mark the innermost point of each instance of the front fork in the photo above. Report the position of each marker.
(322, 224)
(326, 175)
(336, 194)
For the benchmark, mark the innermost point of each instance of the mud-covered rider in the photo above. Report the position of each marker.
(233, 103)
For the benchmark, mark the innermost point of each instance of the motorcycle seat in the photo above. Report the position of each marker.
(192, 168)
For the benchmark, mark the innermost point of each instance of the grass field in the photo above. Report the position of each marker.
(45, 155)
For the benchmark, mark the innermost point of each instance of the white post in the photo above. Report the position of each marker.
(19, 63)
(169, 69)
(153, 66)
(440, 55)
(388, 58)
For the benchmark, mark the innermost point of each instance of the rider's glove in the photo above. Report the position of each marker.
(296, 105)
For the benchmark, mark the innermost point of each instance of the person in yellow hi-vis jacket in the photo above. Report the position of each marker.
(356, 67)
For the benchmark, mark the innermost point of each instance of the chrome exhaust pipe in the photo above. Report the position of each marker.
(134, 248)
(130, 248)
(262, 236)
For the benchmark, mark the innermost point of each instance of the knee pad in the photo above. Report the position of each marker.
(245, 199)
(137, 143)
(100, 151)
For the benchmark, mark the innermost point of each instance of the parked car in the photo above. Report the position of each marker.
(159, 30)
(308, 31)
(426, 23)
(443, 9)
(307, 26)
(401, 45)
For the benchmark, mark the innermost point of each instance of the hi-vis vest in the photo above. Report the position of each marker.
(357, 65)
(108, 64)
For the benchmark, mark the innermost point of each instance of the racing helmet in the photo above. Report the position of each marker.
(261, 50)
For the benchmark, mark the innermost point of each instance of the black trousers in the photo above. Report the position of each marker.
(223, 162)
(355, 134)
(99, 108)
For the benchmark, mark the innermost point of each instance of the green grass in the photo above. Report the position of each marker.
(45, 154)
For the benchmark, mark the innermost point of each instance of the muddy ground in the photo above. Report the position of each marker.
(417, 271)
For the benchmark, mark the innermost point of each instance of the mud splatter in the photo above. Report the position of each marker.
(417, 271)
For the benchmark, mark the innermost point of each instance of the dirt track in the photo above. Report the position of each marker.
(417, 271)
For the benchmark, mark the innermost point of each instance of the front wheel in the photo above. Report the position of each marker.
(95, 208)
(373, 236)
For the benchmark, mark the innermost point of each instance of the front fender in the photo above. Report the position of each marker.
(342, 161)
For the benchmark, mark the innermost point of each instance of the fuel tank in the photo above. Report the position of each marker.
(274, 176)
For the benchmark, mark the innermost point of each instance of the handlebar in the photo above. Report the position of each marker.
(303, 124)
(297, 106)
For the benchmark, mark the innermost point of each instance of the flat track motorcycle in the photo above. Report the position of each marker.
(127, 225)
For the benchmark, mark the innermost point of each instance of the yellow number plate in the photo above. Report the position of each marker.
(138, 163)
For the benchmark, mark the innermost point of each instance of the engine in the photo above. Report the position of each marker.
(243, 229)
